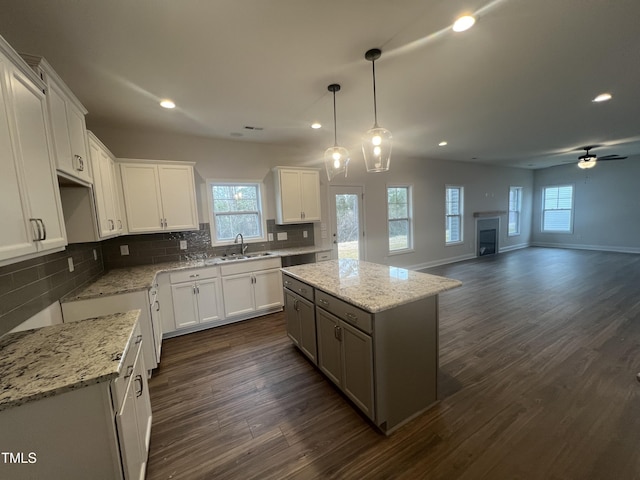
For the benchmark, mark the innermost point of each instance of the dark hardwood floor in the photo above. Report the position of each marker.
(538, 355)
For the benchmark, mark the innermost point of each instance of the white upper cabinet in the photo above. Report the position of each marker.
(159, 196)
(297, 195)
(110, 220)
(66, 117)
(31, 215)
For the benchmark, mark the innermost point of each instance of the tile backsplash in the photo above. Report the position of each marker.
(165, 247)
(30, 286)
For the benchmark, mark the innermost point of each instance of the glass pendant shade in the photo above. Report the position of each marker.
(376, 148)
(376, 143)
(336, 158)
(336, 161)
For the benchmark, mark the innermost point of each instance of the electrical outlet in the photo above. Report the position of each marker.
(282, 235)
(305, 234)
(124, 249)
(183, 244)
(270, 237)
(95, 254)
(71, 267)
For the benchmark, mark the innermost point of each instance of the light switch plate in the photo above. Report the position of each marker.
(71, 267)
(183, 244)
(270, 237)
(305, 234)
(282, 235)
(95, 254)
(124, 249)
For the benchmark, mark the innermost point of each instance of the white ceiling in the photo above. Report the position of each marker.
(515, 90)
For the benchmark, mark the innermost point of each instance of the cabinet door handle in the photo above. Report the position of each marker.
(157, 305)
(119, 224)
(112, 225)
(337, 331)
(161, 223)
(139, 379)
(193, 287)
(165, 223)
(129, 371)
(352, 317)
(44, 229)
(295, 304)
(37, 233)
(198, 289)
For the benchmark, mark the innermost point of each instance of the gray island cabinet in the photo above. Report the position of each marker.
(372, 330)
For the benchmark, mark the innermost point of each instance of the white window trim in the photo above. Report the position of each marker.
(261, 206)
(410, 219)
(461, 241)
(573, 205)
(520, 189)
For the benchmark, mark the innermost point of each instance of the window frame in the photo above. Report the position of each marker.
(408, 219)
(460, 215)
(517, 211)
(210, 183)
(544, 210)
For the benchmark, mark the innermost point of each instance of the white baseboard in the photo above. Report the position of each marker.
(514, 247)
(601, 248)
(444, 261)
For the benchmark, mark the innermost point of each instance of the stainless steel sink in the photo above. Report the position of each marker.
(234, 258)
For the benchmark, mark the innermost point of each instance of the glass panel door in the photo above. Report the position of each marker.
(347, 231)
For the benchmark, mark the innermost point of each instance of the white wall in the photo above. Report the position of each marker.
(607, 206)
(486, 188)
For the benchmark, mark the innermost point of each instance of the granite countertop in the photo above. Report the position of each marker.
(133, 279)
(43, 362)
(370, 286)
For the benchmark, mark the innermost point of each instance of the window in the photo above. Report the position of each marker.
(399, 218)
(557, 208)
(515, 208)
(235, 208)
(453, 214)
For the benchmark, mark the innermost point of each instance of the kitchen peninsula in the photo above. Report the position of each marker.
(372, 330)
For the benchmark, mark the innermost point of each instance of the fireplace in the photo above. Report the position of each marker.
(487, 242)
(487, 235)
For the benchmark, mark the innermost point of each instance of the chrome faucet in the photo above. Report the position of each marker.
(243, 247)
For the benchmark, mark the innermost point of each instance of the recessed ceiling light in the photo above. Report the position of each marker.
(316, 125)
(167, 104)
(463, 23)
(603, 97)
(442, 144)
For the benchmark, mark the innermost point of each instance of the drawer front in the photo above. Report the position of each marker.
(298, 287)
(119, 385)
(246, 266)
(195, 274)
(323, 256)
(347, 312)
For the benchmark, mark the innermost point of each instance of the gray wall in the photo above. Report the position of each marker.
(486, 188)
(607, 206)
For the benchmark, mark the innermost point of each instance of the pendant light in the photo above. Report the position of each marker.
(376, 144)
(336, 158)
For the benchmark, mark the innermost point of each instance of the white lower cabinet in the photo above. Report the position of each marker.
(99, 431)
(196, 296)
(133, 416)
(250, 287)
(92, 307)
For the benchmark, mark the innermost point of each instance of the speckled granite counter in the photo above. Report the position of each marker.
(40, 363)
(370, 286)
(132, 279)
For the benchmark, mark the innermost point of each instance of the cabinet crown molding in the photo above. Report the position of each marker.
(155, 162)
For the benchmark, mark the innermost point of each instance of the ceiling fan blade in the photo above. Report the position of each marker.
(611, 157)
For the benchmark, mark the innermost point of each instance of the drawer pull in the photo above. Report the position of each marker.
(129, 371)
(352, 317)
(287, 283)
(138, 339)
(195, 275)
(302, 290)
(324, 302)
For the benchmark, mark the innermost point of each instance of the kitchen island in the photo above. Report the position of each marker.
(372, 330)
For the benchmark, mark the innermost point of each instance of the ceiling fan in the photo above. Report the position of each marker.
(588, 160)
